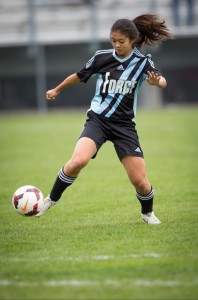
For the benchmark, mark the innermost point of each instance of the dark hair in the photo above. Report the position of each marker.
(145, 29)
(127, 27)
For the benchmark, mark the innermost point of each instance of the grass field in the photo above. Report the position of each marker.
(94, 245)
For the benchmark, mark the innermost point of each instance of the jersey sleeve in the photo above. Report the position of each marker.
(149, 66)
(87, 71)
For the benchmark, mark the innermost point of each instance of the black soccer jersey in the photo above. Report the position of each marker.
(118, 81)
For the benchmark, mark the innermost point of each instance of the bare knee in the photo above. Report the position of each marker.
(142, 185)
(74, 166)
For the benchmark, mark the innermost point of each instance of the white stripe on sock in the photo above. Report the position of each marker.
(146, 197)
(65, 178)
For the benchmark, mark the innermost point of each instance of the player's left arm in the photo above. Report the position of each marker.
(156, 79)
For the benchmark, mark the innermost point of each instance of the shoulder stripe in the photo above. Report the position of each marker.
(89, 63)
(103, 51)
(148, 56)
(137, 52)
(151, 63)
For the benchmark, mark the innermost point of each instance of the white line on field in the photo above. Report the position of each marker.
(163, 283)
(70, 283)
(76, 283)
(98, 257)
(132, 255)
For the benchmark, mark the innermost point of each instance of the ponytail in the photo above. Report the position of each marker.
(152, 30)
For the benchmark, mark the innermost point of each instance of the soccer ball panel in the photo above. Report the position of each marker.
(27, 200)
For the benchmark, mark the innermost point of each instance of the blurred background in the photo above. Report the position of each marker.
(43, 41)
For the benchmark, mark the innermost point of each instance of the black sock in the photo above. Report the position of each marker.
(146, 201)
(61, 183)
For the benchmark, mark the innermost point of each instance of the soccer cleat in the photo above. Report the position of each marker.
(48, 203)
(150, 218)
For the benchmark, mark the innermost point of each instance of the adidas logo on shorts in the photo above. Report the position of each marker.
(138, 150)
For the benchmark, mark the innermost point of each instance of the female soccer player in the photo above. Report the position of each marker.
(120, 72)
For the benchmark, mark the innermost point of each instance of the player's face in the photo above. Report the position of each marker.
(121, 43)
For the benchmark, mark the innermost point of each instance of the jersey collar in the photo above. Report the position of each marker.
(122, 59)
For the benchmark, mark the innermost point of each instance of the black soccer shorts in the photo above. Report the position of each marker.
(121, 133)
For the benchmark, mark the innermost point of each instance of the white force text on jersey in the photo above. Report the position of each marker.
(118, 86)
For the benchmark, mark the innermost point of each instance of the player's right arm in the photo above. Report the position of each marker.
(69, 81)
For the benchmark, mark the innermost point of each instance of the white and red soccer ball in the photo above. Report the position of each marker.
(28, 200)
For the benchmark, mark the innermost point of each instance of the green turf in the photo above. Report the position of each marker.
(94, 245)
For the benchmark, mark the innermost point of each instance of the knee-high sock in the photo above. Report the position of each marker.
(146, 201)
(61, 183)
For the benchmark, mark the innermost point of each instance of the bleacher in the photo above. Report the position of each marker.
(66, 21)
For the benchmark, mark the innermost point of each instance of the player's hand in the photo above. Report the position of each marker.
(157, 80)
(153, 78)
(51, 94)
